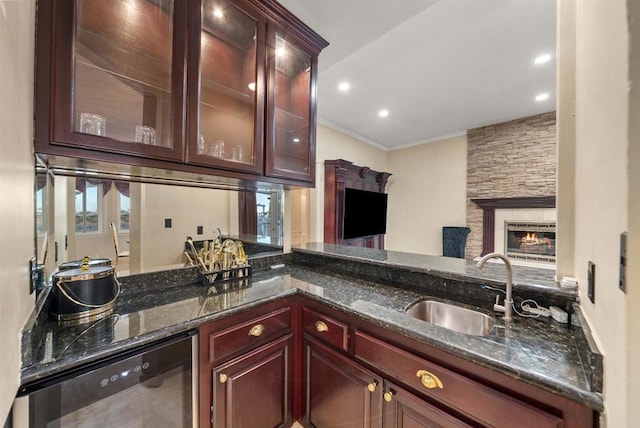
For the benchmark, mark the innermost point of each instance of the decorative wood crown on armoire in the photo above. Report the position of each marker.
(339, 175)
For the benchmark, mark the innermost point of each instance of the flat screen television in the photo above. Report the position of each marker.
(365, 213)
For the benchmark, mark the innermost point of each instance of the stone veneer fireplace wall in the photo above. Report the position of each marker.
(508, 160)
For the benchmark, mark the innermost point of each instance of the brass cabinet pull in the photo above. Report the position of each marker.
(388, 396)
(256, 330)
(372, 386)
(429, 380)
(222, 378)
(321, 326)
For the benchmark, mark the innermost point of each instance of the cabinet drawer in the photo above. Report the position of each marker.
(249, 334)
(325, 328)
(467, 396)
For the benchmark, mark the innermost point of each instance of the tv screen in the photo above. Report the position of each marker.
(365, 213)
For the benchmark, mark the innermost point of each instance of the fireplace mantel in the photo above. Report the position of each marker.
(490, 205)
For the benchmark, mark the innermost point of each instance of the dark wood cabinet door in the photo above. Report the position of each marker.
(291, 107)
(110, 77)
(226, 95)
(255, 390)
(405, 410)
(337, 391)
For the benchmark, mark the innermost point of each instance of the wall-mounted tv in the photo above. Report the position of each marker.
(365, 213)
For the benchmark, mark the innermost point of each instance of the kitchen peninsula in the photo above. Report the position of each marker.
(544, 369)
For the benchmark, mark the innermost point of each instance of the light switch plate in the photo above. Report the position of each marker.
(623, 262)
(34, 275)
(591, 282)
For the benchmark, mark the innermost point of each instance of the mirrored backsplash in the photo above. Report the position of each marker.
(142, 227)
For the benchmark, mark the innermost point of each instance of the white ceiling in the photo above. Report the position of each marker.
(439, 66)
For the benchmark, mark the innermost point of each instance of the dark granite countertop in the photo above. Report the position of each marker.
(539, 352)
(445, 267)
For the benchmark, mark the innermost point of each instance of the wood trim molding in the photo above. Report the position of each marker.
(490, 205)
(520, 202)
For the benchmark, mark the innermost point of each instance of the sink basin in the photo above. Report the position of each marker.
(451, 316)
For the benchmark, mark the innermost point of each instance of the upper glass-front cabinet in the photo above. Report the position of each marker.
(215, 87)
(226, 105)
(120, 74)
(291, 115)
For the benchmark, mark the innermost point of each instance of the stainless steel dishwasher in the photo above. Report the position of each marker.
(152, 386)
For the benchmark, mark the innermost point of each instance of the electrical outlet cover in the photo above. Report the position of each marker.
(34, 275)
(623, 262)
(591, 281)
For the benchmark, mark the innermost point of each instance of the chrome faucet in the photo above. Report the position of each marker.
(508, 301)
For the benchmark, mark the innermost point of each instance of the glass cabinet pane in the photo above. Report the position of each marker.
(122, 82)
(292, 92)
(228, 76)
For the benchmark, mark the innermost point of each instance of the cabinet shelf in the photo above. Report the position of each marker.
(289, 122)
(124, 60)
(135, 84)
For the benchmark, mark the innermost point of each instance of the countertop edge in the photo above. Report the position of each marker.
(567, 293)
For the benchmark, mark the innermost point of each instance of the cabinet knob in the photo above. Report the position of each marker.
(372, 386)
(429, 380)
(388, 396)
(222, 378)
(256, 330)
(321, 326)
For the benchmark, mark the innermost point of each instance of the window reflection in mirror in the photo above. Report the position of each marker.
(151, 221)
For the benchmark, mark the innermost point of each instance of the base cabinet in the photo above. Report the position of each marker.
(298, 359)
(339, 392)
(254, 390)
(247, 368)
(422, 386)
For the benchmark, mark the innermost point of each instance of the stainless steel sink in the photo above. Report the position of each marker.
(450, 316)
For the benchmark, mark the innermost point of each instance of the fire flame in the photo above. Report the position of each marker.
(532, 239)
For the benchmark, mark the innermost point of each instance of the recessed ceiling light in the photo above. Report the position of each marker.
(252, 86)
(383, 113)
(296, 140)
(344, 86)
(542, 97)
(218, 13)
(542, 59)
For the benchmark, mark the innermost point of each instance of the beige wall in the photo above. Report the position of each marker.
(17, 24)
(428, 191)
(604, 202)
(332, 144)
(188, 208)
(565, 135)
(633, 221)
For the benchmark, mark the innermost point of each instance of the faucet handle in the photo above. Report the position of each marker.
(497, 306)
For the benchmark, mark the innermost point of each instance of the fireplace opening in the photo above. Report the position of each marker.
(531, 241)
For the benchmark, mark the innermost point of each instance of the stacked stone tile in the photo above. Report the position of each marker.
(510, 159)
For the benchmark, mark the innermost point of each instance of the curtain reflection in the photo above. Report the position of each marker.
(248, 213)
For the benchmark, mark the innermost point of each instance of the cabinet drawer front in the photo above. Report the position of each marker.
(325, 328)
(249, 334)
(465, 395)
